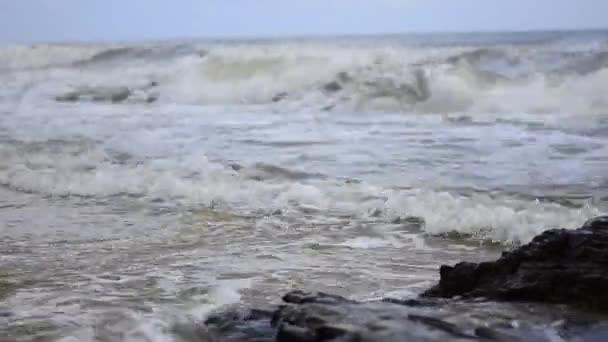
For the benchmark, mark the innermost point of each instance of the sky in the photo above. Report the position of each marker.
(23, 21)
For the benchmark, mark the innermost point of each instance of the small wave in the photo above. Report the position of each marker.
(82, 169)
(265, 172)
(131, 54)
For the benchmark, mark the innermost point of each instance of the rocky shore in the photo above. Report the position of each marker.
(564, 269)
(558, 266)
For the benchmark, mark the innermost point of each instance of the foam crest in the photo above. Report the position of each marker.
(482, 216)
(196, 181)
(391, 80)
(289, 76)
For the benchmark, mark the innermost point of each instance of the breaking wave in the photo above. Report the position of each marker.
(72, 168)
(287, 77)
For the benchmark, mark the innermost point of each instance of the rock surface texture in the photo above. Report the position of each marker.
(312, 317)
(558, 266)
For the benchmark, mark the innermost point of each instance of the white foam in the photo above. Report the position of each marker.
(500, 219)
(251, 75)
(363, 242)
(159, 326)
(196, 181)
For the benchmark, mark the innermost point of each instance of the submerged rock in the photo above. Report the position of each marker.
(117, 94)
(558, 266)
(96, 94)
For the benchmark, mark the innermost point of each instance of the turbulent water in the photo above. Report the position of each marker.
(147, 184)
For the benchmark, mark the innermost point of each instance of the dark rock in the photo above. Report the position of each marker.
(315, 317)
(557, 266)
(151, 98)
(259, 314)
(439, 324)
(301, 297)
(290, 333)
(330, 332)
(408, 221)
(332, 87)
(493, 335)
(344, 77)
(279, 97)
(150, 84)
(191, 332)
(412, 302)
(115, 95)
(328, 107)
(97, 94)
(600, 222)
(7, 288)
(236, 167)
(312, 317)
(69, 97)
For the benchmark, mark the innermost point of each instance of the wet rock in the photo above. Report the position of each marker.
(143, 94)
(279, 97)
(113, 95)
(193, 333)
(96, 94)
(69, 97)
(312, 317)
(5, 312)
(328, 107)
(493, 335)
(332, 87)
(344, 77)
(412, 302)
(557, 266)
(7, 288)
(408, 221)
(277, 212)
(151, 98)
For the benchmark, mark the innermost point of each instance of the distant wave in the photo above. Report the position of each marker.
(137, 53)
(325, 76)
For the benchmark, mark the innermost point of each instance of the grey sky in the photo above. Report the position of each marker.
(61, 20)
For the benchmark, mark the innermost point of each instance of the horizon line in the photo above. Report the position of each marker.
(300, 36)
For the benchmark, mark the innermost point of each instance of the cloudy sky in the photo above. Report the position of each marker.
(66, 20)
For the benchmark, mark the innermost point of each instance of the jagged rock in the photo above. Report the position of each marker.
(557, 266)
(316, 317)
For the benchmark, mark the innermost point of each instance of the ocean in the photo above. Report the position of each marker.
(144, 184)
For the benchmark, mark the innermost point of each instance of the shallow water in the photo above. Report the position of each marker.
(121, 217)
